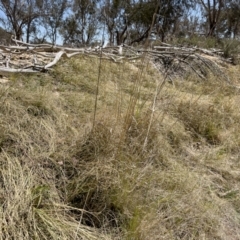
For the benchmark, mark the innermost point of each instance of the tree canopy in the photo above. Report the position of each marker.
(82, 22)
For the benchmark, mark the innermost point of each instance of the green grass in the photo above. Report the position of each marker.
(128, 162)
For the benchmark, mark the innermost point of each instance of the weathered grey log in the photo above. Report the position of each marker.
(6, 71)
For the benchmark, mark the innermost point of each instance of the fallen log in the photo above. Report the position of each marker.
(7, 71)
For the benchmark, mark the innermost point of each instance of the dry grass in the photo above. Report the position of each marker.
(159, 163)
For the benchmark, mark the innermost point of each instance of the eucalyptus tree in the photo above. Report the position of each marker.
(70, 31)
(81, 25)
(117, 16)
(20, 15)
(233, 18)
(165, 16)
(86, 15)
(53, 17)
(212, 10)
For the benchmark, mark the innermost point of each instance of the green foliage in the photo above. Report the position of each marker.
(199, 41)
(39, 194)
(231, 49)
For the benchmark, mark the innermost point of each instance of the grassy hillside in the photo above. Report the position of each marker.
(103, 150)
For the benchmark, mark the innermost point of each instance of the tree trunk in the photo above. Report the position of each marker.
(18, 34)
(28, 32)
(212, 29)
(121, 37)
(141, 38)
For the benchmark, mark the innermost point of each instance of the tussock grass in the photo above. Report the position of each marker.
(32, 208)
(138, 159)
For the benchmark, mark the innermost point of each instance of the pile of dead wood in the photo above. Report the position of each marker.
(177, 61)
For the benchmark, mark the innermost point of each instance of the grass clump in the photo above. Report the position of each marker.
(125, 162)
(199, 41)
(31, 210)
(231, 49)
